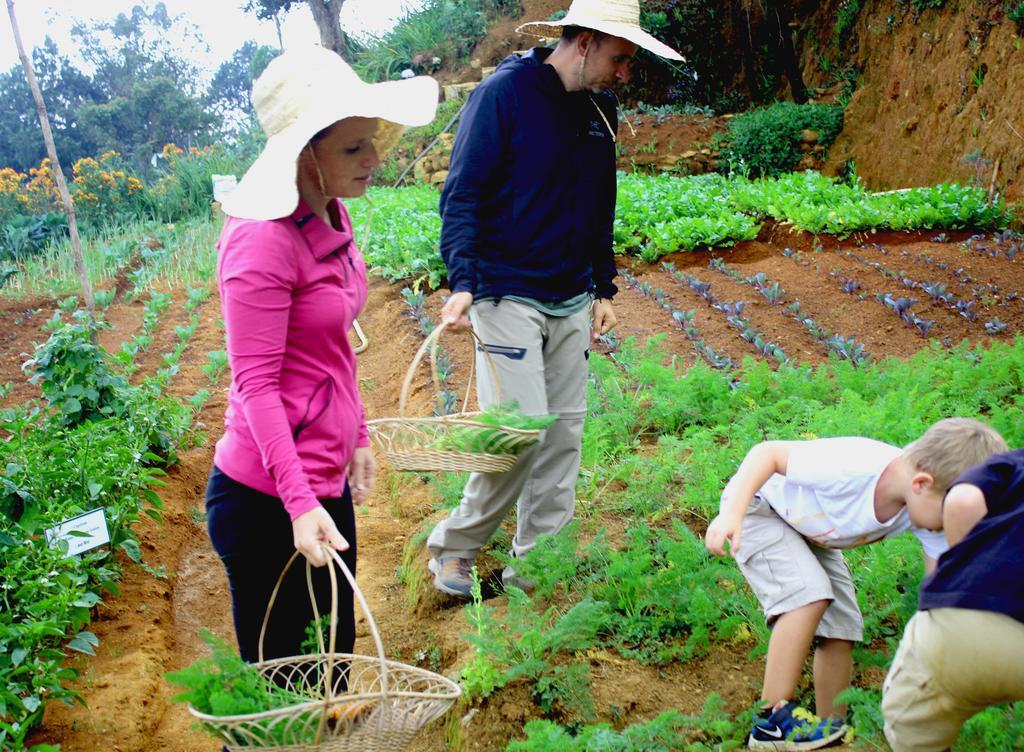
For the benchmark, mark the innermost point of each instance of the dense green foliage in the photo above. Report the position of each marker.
(1016, 15)
(399, 231)
(766, 141)
(709, 730)
(653, 594)
(101, 444)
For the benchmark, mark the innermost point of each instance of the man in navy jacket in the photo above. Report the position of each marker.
(527, 214)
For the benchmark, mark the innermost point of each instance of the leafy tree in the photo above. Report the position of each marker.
(155, 112)
(65, 89)
(228, 95)
(144, 43)
(326, 14)
(149, 88)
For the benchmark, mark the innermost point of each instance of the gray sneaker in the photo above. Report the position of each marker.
(453, 575)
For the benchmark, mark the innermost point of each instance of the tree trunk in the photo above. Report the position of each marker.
(327, 14)
(58, 173)
(741, 28)
(782, 40)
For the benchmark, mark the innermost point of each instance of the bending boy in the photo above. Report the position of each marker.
(787, 513)
(964, 650)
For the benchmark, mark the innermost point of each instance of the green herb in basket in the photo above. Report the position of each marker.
(483, 439)
(508, 415)
(223, 684)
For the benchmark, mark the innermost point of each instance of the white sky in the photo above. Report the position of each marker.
(222, 23)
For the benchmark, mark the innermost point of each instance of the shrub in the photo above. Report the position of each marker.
(1016, 15)
(846, 17)
(442, 28)
(185, 189)
(104, 189)
(766, 141)
(74, 373)
(25, 235)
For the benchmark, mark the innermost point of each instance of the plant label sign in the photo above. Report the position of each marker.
(83, 533)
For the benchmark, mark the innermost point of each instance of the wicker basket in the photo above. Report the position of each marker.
(355, 702)
(406, 441)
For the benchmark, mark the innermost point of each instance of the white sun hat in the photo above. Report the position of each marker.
(619, 18)
(303, 91)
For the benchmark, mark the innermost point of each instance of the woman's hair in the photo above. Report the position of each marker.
(951, 446)
(321, 134)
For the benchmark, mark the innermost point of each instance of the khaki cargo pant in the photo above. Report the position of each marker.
(951, 664)
(541, 362)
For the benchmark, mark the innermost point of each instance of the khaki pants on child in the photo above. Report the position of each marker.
(541, 362)
(951, 664)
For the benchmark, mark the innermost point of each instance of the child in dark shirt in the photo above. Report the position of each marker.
(964, 650)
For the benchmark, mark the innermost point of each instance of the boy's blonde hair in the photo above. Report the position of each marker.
(952, 445)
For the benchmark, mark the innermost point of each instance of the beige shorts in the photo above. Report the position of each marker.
(951, 664)
(786, 572)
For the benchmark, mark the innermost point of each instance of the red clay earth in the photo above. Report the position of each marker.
(151, 627)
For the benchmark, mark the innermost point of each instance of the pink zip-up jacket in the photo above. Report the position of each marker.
(290, 289)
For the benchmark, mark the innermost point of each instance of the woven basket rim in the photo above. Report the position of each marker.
(455, 419)
(453, 693)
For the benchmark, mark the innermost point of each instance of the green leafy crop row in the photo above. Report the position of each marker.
(100, 442)
(400, 230)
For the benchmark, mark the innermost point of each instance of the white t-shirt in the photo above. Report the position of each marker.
(828, 494)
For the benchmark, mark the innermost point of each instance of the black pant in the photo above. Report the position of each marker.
(252, 534)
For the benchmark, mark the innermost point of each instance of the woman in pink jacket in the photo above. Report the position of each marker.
(295, 451)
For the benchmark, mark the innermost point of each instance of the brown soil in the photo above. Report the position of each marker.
(151, 627)
(919, 108)
(648, 142)
(502, 40)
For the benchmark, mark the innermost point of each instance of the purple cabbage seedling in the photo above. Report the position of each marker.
(849, 285)
(995, 326)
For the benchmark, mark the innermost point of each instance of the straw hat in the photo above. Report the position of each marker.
(619, 18)
(300, 93)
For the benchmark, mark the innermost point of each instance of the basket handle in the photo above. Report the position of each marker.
(431, 344)
(328, 674)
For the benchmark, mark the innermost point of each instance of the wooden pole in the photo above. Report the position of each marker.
(58, 173)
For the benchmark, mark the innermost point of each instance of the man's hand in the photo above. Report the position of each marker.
(311, 530)
(454, 311)
(725, 527)
(602, 317)
(361, 473)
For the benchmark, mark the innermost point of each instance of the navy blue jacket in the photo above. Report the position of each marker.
(529, 201)
(985, 571)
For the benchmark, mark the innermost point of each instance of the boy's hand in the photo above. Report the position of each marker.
(723, 528)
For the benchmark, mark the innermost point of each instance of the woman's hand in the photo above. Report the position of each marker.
(361, 473)
(453, 313)
(311, 530)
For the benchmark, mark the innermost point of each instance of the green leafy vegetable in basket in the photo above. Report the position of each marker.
(223, 684)
(508, 415)
(482, 439)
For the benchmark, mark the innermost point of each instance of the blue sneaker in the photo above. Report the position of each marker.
(792, 728)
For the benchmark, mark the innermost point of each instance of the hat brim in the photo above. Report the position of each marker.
(268, 189)
(634, 34)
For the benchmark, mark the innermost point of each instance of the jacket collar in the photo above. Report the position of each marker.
(322, 239)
